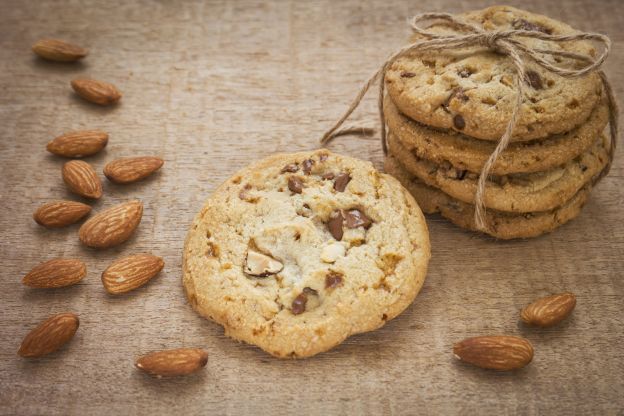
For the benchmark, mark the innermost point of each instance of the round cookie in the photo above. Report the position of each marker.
(472, 89)
(299, 251)
(524, 192)
(501, 225)
(467, 153)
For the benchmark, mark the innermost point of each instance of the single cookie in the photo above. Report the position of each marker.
(522, 192)
(299, 251)
(501, 225)
(472, 89)
(466, 153)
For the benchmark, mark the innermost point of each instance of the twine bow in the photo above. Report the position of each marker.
(507, 43)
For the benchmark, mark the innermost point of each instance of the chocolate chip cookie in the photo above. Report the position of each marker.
(524, 192)
(299, 251)
(471, 90)
(467, 153)
(503, 225)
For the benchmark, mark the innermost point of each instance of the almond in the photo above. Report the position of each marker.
(78, 143)
(57, 214)
(56, 273)
(58, 50)
(172, 363)
(81, 178)
(131, 272)
(97, 92)
(50, 335)
(495, 352)
(112, 226)
(131, 169)
(550, 310)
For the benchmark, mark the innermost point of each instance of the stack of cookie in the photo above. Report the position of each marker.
(446, 110)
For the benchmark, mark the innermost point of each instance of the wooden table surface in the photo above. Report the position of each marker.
(211, 86)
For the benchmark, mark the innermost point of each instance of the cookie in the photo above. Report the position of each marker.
(501, 225)
(299, 251)
(466, 153)
(523, 192)
(472, 89)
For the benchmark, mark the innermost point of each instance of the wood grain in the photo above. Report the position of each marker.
(211, 86)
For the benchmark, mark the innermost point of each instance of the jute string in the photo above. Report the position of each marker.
(506, 43)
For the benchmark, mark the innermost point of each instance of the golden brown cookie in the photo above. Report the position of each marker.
(523, 192)
(503, 225)
(299, 251)
(467, 153)
(471, 89)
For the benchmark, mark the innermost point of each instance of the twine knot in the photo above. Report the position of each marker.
(506, 43)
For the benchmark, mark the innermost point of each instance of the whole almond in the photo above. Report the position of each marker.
(112, 226)
(499, 352)
(56, 273)
(172, 363)
(131, 272)
(50, 335)
(58, 50)
(57, 214)
(81, 179)
(98, 92)
(131, 169)
(549, 311)
(78, 143)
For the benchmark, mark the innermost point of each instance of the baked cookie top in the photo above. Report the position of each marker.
(467, 153)
(472, 90)
(299, 251)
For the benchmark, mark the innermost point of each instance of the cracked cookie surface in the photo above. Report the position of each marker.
(503, 225)
(472, 90)
(467, 153)
(299, 251)
(523, 192)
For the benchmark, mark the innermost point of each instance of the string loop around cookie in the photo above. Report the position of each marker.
(507, 43)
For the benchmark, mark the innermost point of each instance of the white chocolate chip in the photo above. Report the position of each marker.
(261, 265)
(332, 252)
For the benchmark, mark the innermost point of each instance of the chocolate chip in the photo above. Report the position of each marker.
(335, 224)
(333, 280)
(341, 182)
(406, 74)
(307, 166)
(323, 157)
(461, 174)
(295, 184)
(584, 168)
(299, 304)
(458, 122)
(464, 73)
(521, 24)
(457, 93)
(534, 80)
(328, 176)
(292, 167)
(355, 218)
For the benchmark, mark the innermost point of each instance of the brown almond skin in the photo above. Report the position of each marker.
(58, 50)
(78, 143)
(56, 214)
(499, 352)
(98, 92)
(172, 363)
(50, 335)
(112, 226)
(81, 179)
(549, 311)
(131, 272)
(132, 169)
(56, 273)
